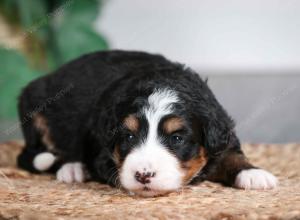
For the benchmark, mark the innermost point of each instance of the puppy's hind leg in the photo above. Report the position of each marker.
(36, 156)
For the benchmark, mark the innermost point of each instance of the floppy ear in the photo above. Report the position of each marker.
(219, 135)
(100, 156)
(103, 126)
(219, 140)
(105, 169)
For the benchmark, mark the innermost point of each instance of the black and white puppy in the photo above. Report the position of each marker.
(134, 120)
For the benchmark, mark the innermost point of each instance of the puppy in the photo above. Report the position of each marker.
(134, 120)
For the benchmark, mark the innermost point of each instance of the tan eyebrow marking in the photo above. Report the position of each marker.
(173, 124)
(132, 123)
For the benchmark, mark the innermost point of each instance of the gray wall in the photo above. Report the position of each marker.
(214, 35)
(265, 108)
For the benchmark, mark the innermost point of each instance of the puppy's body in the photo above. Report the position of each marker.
(131, 118)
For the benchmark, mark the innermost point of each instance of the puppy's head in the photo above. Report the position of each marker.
(160, 147)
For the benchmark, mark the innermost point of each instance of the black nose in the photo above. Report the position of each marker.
(144, 177)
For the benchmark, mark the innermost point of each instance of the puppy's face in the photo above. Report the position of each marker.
(158, 150)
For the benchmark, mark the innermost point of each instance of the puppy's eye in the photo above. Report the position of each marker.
(176, 139)
(130, 137)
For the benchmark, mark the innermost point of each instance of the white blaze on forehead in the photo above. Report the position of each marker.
(160, 104)
(161, 99)
(152, 156)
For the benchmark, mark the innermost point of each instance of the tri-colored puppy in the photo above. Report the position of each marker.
(132, 119)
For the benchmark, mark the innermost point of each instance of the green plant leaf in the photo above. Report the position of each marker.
(55, 31)
(74, 31)
(15, 73)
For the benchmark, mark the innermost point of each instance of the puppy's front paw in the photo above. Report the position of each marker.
(71, 172)
(255, 179)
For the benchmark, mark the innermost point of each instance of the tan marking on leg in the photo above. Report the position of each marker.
(192, 167)
(40, 123)
(173, 124)
(132, 123)
(229, 164)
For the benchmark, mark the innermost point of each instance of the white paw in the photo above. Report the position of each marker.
(255, 179)
(71, 172)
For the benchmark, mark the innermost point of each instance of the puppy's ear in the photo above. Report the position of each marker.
(105, 169)
(219, 135)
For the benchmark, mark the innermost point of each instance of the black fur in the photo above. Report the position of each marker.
(100, 89)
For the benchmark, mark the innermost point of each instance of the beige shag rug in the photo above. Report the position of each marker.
(28, 197)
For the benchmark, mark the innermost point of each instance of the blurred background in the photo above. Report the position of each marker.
(248, 50)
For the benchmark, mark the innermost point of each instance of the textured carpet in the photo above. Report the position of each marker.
(26, 196)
